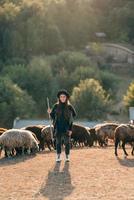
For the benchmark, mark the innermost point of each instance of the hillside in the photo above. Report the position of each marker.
(42, 49)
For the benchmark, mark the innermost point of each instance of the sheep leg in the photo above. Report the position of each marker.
(106, 141)
(6, 153)
(52, 143)
(101, 143)
(120, 144)
(95, 143)
(18, 151)
(23, 149)
(48, 145)
(13, 152)
(42, 146)
(0, 152)
(8, 150)
(28, 151)
(123, 147)
(74, 143)
(132, 152)
(116, 146)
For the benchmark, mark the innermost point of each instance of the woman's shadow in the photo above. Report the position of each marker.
(58, 184)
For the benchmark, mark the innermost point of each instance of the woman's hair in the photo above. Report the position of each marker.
(66, 109)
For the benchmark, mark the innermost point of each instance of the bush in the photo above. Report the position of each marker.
(14, 102)
(109, 82)
(39, 82)
(69, 61)
(53, 42)
(36, 79)
(90, 99)
(129, 97)
(17, 73)
(82, 73)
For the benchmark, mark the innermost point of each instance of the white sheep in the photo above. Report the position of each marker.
(15, 138)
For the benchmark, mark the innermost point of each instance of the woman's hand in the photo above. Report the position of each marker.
(69, 133)
(49, 110)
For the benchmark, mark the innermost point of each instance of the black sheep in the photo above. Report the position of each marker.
(36, 129)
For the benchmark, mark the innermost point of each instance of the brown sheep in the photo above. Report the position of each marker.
(48, 137)
(93, 134)
(105, 132)
(124, 133)
(80, 135)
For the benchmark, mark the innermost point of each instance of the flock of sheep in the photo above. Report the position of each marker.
(32, 139)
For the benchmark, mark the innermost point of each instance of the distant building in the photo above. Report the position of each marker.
(100, 35)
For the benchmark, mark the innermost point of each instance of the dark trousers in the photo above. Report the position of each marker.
(63, 139)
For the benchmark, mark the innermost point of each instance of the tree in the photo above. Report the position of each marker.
(35, 78)
(39, 84)
(84, 72)
(129, 97)
(8, 13)
(53, 40)
(110, 82)
(14, 102)
(90, 99)
(69, 61)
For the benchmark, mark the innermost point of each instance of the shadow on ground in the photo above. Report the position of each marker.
(127, 162)
(58, 184)
(14, 160)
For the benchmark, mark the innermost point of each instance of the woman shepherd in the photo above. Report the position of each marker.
(62, 115)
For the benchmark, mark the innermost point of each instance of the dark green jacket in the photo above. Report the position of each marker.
(61, 123)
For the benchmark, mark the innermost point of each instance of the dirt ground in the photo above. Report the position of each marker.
(92, 174)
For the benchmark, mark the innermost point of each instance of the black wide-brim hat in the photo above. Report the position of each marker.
(63, 92)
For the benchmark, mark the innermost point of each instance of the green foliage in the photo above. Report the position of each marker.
(53, 42)
(129, 97)
(110, 82)
(68, 60)
(82, 73)
(30, 28)
(90, 93)
(45, 75)
(41, 46)
(39, 82)
(14, 102)
(36, 78)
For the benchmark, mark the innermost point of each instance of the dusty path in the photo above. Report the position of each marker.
(92, 174)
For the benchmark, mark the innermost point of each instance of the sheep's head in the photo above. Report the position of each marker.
(46, 131)
(36, 147)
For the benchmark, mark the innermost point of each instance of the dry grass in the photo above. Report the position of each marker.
(92, 174)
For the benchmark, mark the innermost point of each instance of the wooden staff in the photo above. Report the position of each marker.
(51, 131)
